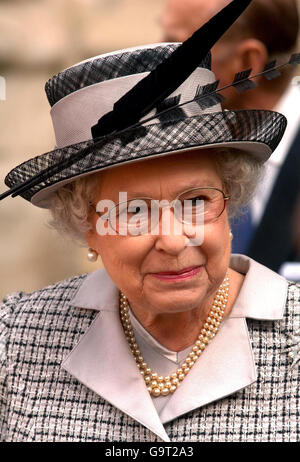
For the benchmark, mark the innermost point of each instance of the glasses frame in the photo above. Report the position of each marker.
(106, 216)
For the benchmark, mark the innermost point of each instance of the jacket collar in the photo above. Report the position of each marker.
(103, 362)
(263, 293)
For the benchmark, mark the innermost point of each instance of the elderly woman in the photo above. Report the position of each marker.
(174, 339)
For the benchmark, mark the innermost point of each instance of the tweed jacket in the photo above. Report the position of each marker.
(67, 373)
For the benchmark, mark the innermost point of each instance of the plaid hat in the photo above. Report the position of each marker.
(190, 117)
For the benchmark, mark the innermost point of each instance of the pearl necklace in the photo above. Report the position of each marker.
(158, 385)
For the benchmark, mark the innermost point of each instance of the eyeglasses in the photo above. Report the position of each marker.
(141, 215)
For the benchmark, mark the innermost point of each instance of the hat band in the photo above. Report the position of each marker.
(74, 115)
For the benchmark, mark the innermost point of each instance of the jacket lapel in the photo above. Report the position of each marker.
(222, 370)
(103, 361)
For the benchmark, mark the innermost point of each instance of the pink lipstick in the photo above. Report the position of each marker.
(173, 276)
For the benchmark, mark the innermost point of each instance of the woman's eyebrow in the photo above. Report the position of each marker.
(177, 191)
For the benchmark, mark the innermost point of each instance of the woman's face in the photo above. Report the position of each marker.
(132, 260)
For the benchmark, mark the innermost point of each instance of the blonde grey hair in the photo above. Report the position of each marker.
(71, 205)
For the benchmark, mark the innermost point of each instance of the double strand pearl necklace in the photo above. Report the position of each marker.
(158, 385)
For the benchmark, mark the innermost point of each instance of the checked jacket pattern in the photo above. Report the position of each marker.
(42, 402)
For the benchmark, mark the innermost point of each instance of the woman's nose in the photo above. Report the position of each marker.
(171, 244)
(170, 233)
(173, 235)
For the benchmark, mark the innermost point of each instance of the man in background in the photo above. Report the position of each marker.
(267, 30)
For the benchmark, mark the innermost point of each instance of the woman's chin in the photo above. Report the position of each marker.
(176, 302)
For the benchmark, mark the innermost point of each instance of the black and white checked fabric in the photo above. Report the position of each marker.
(207, 129)
(42, 402)
(108, 67)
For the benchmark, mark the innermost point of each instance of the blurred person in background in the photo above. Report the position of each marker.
(267, 31)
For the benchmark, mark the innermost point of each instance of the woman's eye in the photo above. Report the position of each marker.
(136, 210)
(198, 198)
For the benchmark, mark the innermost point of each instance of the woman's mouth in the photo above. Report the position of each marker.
(172, 276)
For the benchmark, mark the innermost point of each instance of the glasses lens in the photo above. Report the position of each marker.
(132, 217)
(200, 206)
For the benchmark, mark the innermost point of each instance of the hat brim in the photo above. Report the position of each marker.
(256, 132)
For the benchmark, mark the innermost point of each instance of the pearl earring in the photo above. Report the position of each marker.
(231, 235)
(92, 255)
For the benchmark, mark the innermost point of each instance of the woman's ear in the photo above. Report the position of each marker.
(251, 54)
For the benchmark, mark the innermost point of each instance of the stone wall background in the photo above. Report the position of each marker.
(37, 39)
